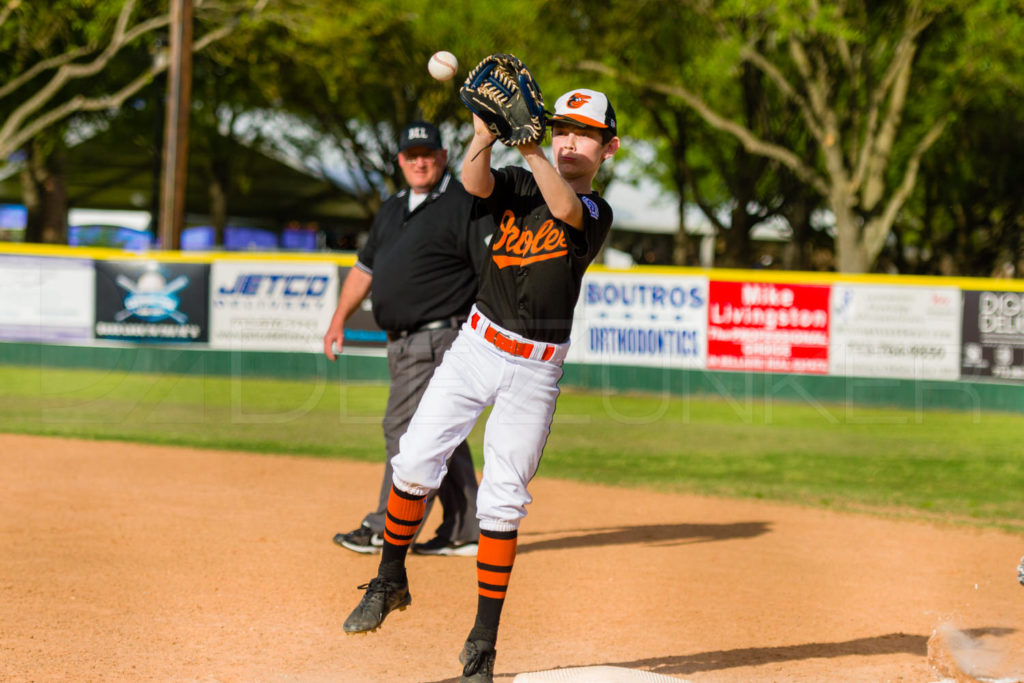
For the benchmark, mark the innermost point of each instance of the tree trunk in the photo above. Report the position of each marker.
(849, 253)
(685, 249)
(737, 252)
(45, 193)
(218, 191)
(796, 254)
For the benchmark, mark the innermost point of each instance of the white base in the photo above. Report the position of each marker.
(595, 674)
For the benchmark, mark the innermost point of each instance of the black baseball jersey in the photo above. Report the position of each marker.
(425, 262)
(532, 276)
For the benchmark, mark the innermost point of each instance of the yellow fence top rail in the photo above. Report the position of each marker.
(349, 259)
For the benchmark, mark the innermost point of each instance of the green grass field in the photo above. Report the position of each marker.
(961, 467)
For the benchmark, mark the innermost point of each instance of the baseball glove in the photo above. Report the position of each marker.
(503, 93)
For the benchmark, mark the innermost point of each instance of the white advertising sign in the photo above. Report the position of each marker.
(271, 306)
(649, 320)
(904, 332)
(46, 299)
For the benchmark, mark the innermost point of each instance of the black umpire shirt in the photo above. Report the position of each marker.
(532, 279)
(425, 263)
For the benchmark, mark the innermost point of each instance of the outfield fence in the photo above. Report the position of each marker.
(909, 341)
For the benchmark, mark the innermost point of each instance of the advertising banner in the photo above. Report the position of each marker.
(626, 319)
(993, 335)
(46, 299)
(271, 305)
(148, 301)
(905, 332)
(768, 327)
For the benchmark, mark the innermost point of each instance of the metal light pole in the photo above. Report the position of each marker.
(175, 155)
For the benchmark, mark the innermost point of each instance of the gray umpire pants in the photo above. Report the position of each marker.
(411, 363)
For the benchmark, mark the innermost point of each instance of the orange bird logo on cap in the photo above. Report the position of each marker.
(577, 100)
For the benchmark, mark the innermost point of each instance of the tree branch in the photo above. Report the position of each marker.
(15, 132)
(877, 230)
(879, 150)
(65, 73)
(899, 69)
(683, 173)
(843, 47)
(775, 74)
(6, 11)
(82, 103)
(748, 139)
(40, 67)
(803, 65)
(817, 90)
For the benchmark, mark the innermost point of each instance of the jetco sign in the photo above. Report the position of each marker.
(277, 288)
(271, 306)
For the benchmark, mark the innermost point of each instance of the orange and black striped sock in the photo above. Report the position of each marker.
(495, 556)
(404, 515)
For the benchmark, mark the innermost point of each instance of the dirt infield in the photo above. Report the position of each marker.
(140, 563)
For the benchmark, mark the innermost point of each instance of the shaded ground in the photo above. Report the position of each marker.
(141, 563)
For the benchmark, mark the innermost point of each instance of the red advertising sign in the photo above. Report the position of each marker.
(768, 327)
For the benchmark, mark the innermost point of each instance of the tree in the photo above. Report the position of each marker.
(735, 190)
(968, 213)
(226, 87)
(851, 70)
(356, 80)
(64, 59)
(44, 188)
(55, 50)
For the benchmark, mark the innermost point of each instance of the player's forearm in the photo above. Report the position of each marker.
(476, 168)
(558, 194)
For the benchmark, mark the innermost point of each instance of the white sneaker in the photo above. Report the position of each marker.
(362, 540)
(442, 546)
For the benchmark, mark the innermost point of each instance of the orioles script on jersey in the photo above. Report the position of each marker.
(522, 246)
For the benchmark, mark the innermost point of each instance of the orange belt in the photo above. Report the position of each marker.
(509, 345)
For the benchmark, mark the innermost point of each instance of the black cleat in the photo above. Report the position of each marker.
(477, 659)
(382, 596)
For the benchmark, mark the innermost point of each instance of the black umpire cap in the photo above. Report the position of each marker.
(419, 134)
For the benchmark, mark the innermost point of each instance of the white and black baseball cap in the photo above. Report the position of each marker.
(419, 134)
(585, 107)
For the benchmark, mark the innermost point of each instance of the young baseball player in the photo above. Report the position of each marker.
(508, 355)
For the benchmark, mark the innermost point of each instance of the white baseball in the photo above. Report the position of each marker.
(442, 65)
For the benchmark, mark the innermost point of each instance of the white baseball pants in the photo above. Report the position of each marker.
(473, 375)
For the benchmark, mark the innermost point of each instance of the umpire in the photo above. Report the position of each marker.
(419, 267)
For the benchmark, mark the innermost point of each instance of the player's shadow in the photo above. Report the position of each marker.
(716, 660)
(889, 644)
(655, 534)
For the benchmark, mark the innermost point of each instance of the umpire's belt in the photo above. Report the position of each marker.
(452, 323)
(503, 340)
